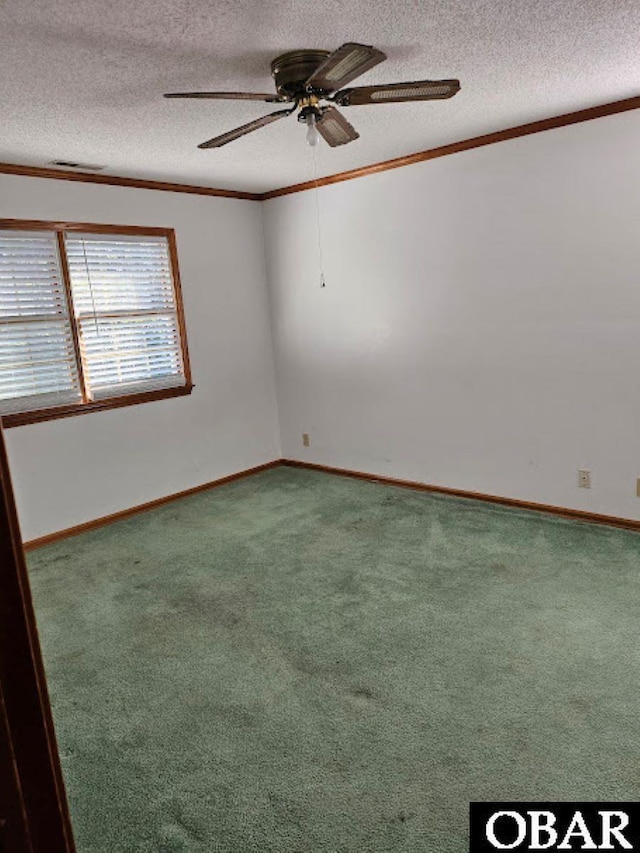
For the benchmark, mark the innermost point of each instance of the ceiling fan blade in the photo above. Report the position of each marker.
(218, 141)
(229, 96)
(334, 128)
(421, 90)
(344, 65)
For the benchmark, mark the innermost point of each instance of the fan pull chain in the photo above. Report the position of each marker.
(318, 222)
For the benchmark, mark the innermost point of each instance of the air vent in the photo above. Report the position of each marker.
(82, 167)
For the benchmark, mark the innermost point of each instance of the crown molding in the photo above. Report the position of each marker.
(552, 123)
(465, 145)
(115, 181)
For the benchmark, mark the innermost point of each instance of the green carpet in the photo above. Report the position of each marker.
(304, 662)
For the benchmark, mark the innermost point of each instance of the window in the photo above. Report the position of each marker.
(90, 318)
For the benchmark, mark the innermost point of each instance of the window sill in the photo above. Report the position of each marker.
(21, 418)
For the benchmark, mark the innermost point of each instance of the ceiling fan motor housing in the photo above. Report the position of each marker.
(291, 70)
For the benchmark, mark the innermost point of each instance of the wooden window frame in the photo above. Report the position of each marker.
(85, 406)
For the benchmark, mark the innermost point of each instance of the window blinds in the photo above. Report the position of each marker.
(100, 322)
(124, 304)
(37, 357)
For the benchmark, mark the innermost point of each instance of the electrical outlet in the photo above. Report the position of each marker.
(305, 439)
(584, 479)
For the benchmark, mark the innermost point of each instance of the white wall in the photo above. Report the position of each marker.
(480, 325)
(77, 469)
(480, 329)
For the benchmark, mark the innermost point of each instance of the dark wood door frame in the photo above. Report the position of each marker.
(34, 816)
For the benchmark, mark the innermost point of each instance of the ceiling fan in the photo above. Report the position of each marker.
(307, 77)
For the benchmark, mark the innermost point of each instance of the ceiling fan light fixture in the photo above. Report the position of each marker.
(312, 131)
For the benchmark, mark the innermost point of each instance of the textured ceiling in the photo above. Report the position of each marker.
(83, 79)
